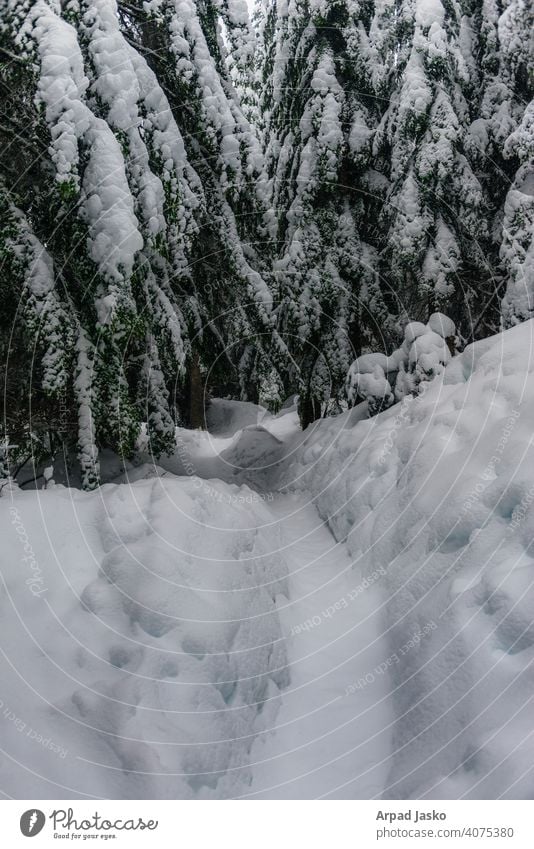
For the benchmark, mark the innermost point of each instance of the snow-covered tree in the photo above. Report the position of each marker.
(132, 194)
(319, 110)
(183, 194)
(517, 235)
(435, 215)
(517, 247)
(425, 351)
(497, 47)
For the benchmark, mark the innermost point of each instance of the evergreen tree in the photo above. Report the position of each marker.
(517, 239)
(517, 248)
(135, 195)
(436, 215)
(182, 195)
(498, 95)
(319, 110)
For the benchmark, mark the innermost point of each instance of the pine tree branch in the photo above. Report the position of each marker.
(131, 10)
(484, 311)
(13, 56)
(10, 132)
(30, 480)
(146, 51)
(21, 466)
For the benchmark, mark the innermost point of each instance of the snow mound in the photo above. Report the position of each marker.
(442, 325)
(252, 447)
(423, 355)
(141, 639)
(439, 490)
(224, 417)
(183, 637)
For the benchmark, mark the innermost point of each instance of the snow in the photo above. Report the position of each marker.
(517, 249)
(521, 141)
(326, 722)
(361, 135)
(142, 637)
(367, 363)
(340, 613)
(107, 204)
(196, 65)
(370, 384)
(442, 260)
(422, 356)
(428, 349)
(416, 95)
(429, 12)
(62, 84)
(414, 329)
(226, 417)
(438, 490)
(137, 108)
(46, 315)
(87, 454)
(442, 325)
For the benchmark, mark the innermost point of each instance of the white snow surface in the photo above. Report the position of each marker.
(439, 491)
(340, 613)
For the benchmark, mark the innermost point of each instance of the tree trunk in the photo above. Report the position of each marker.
(196, 395)
(309, 406)
(309, 411)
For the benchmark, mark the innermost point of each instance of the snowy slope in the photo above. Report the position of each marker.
(342, 613)
(439, 492)
(147, 646)
(330, 740)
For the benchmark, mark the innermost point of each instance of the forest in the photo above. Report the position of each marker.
(266, 452)
(197, 201)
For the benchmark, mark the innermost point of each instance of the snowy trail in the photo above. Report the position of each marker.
(218, 628)
(330, 736)
(201, 637)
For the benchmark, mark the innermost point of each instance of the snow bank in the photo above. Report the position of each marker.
(439, 490)
(423, 355)
(225, 417)
(144, 655)
(243, 444)
(142, 650)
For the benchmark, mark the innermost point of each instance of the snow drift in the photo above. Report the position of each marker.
(140, 636)
(351, 617)
(439, 491)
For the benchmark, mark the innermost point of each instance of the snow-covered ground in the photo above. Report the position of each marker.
(328, 734)
(344, 613)
(439, 491)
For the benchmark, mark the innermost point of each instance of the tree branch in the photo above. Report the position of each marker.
(13, 56)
